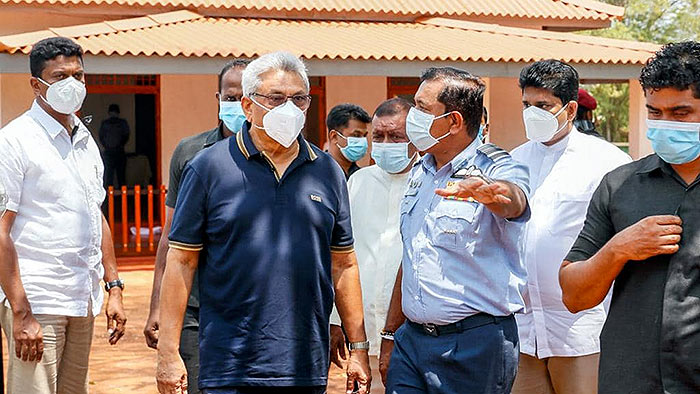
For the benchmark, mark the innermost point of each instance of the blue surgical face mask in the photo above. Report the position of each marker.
(418, 124)
(674, 142)
(391, 157)
(231, 113)
(355, 149)
(480, 135)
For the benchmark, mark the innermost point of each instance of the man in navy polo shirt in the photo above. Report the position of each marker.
(270, 213)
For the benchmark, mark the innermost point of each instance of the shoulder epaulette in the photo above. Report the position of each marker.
(493, 152)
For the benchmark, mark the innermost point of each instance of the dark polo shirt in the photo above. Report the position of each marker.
(651, 340)
(266, 289)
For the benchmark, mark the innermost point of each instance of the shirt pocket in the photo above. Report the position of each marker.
(568, 214)
(454, 224)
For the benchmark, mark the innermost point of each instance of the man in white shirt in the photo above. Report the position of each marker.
(55, 244)
(375, 197)
(559, 350)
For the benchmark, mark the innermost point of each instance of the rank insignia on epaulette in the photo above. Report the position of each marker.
(493, 152)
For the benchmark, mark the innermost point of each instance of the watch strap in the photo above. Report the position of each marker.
(115, 283)
(358, 346)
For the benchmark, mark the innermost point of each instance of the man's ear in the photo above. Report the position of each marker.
(333, 136)
(456, 122)
(36, 86)
(247, 105)
(571, 110)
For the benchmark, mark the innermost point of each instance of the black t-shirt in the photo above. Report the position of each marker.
(651, 339)
(185, 151)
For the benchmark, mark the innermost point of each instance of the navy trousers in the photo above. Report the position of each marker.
(480, 360)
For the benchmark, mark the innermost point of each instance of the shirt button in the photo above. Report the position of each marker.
(416, 297)
(425, 210)
(436, 182)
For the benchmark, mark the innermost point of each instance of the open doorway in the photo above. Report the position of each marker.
(124, 118)
(124, 123)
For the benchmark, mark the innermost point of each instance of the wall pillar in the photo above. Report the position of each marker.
(640, 146)
(505, 112)
(16, 96)
(188, 106)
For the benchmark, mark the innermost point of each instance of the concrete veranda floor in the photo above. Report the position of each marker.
(129, 367)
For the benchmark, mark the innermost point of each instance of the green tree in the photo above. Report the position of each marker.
(657, 21)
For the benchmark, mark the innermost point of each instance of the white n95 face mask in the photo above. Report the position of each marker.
(65, 96)
(283, 123)
(540, 124)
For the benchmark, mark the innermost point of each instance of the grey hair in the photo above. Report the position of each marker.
(281, 60)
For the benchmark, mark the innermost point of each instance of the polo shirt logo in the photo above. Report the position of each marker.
(316, 198)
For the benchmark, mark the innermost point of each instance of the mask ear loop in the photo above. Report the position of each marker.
(439, 117)
(261, 106)
(559, 113)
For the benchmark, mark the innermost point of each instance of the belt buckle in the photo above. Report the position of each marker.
(430, 329)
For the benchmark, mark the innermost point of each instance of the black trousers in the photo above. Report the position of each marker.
(115, 164)
(266, 390)
(189, 348)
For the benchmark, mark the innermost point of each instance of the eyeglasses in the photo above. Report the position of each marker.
(303, 101)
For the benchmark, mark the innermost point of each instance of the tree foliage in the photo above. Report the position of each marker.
(657, 21)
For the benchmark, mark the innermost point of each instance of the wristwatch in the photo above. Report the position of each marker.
(358, 345)
(114, 283)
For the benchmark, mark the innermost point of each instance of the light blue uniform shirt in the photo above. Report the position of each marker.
(460, 259)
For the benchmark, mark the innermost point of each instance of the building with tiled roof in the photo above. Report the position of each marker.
(159, 59)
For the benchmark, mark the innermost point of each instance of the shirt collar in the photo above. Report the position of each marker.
(560, 145)
(469, 152)
(653, 163)
(215, 135)
(247, 147)
(53, 128)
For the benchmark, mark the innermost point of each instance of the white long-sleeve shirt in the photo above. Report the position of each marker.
(375, 199)
(563, 178)
(54, 184)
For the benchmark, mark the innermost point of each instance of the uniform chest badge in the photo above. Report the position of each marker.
(452, 183)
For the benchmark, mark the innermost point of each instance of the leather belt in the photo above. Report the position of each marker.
(473, 321)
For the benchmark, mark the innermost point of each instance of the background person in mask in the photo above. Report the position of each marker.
(231, 118)
(584, 114)
(375, 197)
(484, 127)
(559, 350)
(347, 135)
(114, 134)
(642, 231)
(269, 214)
(55, 244)
(458, 286)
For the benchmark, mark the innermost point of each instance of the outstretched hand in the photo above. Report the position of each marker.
(478, 189)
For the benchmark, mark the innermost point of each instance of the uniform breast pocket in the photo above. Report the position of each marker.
(454, 224)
